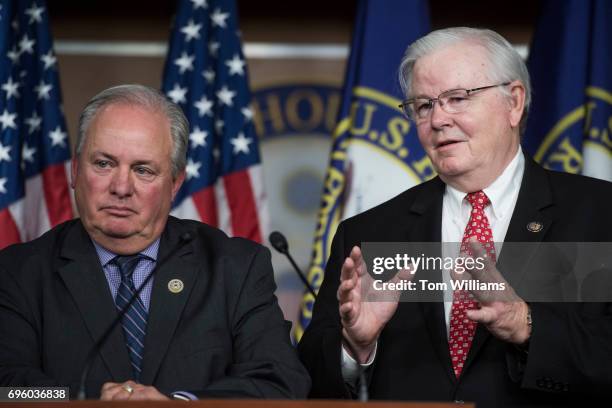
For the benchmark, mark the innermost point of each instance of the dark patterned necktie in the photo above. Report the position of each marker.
(134, 321)
(462, 329)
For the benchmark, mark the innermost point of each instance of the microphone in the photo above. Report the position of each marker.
(279, 242)
(184, 239)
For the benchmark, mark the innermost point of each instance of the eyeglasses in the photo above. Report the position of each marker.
(451, 101)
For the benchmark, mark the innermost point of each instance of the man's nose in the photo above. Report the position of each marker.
(439, 118)
(122, 184)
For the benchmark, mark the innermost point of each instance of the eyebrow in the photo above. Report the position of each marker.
(422, 96)
(113, 158)
(103, 154)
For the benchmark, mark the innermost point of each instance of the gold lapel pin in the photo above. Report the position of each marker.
(176, 286)
(535, 226)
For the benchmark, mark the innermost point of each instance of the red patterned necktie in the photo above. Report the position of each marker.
(462, 329)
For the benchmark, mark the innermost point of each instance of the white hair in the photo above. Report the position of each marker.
(507, 64)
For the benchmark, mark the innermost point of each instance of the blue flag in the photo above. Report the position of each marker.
(375, 150)
(570, 61)
(206, 75)
(34, 144)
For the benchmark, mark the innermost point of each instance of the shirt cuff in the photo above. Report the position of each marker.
(350, 368)
(184, 396)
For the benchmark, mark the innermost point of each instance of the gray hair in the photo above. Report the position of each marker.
(507, 63)
(150, 99)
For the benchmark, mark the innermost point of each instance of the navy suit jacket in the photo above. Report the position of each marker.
(570, 349)
(222, 335)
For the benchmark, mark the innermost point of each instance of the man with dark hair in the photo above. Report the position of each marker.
(206, 324)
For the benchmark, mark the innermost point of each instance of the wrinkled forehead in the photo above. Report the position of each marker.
(460, 65)
(121, 125)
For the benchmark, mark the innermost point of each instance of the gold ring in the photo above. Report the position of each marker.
(128, 388)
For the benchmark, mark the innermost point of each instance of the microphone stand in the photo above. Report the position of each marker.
(279, 242)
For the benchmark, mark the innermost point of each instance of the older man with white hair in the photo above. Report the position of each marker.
(468, 94)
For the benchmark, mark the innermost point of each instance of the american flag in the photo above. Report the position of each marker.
(206, 75)
(34, 145)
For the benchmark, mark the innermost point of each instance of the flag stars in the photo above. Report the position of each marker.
(58, 137)
(247, 112)
(226, 96)
(185, 62)
(198, 137)
(33, 122)
(27, 153)
(192, 169)
(26, 45)
(177, 94)
(3, 181)
(209, 75)
(14, 54)
(4, 153)
(213, 48)
(10, 88)
(241, 143)
(218, 18)
(199, 3)
(219, 125)
(48, 59)
(216, 153)
(43, 89)
(191, 30)
(236, 65)
(8, 120)
(35, 13)
(204, 106)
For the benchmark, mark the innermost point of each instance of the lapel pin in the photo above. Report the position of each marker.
(175, 286)
(535, 226)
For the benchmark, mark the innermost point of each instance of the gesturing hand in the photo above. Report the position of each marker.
(502, 312)
(362, 321)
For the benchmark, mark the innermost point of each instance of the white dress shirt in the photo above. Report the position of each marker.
(502, 193)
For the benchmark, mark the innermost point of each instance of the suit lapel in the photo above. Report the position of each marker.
(167, 306)
(87, 284)
(427, 227)
(530, 222)
(532, 206)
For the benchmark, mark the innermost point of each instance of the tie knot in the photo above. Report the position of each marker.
(478, 199)
(127, 264)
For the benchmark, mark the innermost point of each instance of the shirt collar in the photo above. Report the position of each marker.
(106, 256)
(503, 186)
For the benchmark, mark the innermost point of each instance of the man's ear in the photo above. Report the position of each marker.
(177, 183)
(74, 169)
(517, 102)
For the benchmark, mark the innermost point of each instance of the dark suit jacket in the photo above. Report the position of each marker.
(571, 344)
(223, 335)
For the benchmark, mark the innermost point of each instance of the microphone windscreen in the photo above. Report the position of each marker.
(279, 242)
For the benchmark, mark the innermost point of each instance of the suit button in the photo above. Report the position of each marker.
(558, 386)
(540, 383)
